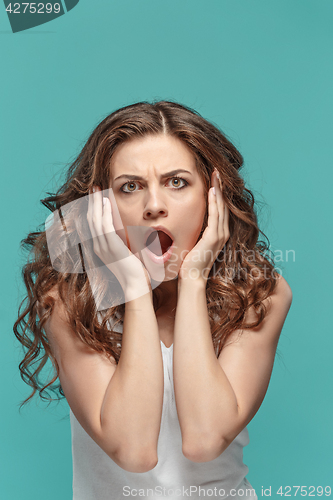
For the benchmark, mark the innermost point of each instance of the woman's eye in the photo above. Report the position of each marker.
(178, 183)
(130, 184)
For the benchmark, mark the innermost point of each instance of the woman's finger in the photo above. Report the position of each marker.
(217, 203)
(90, 212)
(212, 223)
(112, 239)
(97, 212)
(226, 223)
(220, 206)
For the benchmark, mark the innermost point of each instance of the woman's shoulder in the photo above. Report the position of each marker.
(283, 289)
(279, 300)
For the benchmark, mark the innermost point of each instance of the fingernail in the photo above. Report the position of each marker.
(104, 200)
(93, 189)
(214, 190)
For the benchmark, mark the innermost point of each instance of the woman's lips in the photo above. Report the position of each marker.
(160, 259)
(156, 242)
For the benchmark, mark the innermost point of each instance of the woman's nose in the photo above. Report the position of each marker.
(155, 206)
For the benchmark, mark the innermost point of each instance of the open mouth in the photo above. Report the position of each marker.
(157, 241)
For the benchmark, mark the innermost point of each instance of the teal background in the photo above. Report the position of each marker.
(261, 70)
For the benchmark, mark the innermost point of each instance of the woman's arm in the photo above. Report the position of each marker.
(119, 406)
(217, 397)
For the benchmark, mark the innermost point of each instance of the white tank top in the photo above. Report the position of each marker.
(97, 477)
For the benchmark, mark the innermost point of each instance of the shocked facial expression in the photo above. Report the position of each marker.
(155, 182)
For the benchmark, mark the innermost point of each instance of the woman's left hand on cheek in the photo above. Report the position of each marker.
(199, 261)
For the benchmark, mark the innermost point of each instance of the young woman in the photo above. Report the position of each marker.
(161, 385)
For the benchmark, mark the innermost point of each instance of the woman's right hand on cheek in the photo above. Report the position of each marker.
(109, 247)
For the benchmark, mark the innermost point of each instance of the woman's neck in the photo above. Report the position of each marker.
(168, 295)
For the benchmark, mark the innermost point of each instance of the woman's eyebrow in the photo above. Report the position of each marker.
(167, 174)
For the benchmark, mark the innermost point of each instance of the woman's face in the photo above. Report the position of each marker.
(148, 194)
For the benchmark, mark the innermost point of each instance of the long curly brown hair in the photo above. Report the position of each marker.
(242, 276)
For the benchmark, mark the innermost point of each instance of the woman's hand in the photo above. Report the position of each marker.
(109, 247)
(199, 261)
